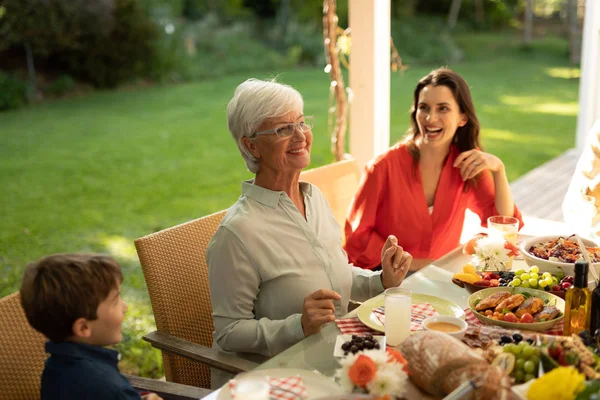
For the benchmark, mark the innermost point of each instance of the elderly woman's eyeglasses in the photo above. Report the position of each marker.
(289, 129)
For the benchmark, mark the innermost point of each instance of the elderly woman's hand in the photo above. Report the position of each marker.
(395, 263)
(318, 310)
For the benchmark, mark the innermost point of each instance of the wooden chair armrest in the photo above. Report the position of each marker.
(193, 351)
(167, 390)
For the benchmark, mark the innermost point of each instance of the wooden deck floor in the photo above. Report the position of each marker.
(540, 192)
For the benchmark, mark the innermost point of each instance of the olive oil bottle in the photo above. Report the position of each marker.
(595, 314)
(578, 302)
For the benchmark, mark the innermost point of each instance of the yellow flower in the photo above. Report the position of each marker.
(545, 387)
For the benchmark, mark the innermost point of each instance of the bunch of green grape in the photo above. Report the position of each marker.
(533, 279)
(527, 360)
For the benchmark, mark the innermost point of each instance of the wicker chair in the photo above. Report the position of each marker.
(176, 273)
(22, 353)
(338, 182)
(22, 357)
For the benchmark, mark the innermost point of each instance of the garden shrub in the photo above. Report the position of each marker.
(13, 92)
(424, 40)
(61, 85)
(220, 48)
(126, 52)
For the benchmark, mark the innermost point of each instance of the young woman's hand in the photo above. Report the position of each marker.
(395, 263)
(474, 161)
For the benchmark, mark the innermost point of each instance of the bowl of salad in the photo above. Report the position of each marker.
(558, 253)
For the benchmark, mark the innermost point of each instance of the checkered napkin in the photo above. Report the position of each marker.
(419, 312)
(290, 388)
(472, 320)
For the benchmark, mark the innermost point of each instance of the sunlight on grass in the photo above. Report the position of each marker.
(536, 104)
(555, 108)
(119, 247)
(563, 72)
(498, 134)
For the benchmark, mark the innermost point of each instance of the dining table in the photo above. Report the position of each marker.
(315, 352)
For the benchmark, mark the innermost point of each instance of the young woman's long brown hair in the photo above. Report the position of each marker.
(466, 137)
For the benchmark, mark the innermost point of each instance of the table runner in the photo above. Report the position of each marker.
(419, 312)
(290, 388)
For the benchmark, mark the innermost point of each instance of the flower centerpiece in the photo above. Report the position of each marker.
(380, 373)
(490, 254)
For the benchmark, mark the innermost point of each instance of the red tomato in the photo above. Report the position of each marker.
(565, 285)
(526, 318)
(510, 317)
(555, 350)
(562, 359)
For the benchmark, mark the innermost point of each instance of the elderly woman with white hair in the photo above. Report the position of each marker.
(277, 269)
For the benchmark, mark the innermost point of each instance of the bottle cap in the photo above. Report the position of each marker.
(581, 274)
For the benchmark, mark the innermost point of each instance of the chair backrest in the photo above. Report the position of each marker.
(338, 182)
(176, 273)
(22, 353)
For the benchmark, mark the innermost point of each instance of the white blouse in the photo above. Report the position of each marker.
(265, 258)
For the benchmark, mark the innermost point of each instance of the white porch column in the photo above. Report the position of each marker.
(369, 78)
(589, 84)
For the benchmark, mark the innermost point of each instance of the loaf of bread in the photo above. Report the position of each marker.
(439, 363)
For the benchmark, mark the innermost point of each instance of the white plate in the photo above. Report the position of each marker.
(341, 339)
(317, 385)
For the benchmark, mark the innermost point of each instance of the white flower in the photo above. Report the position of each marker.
(348, 360)
(490, 254)
(380, 357)
(388, 380)
(390, 377)
(344, 379)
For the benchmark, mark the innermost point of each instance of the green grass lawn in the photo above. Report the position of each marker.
(93, 173)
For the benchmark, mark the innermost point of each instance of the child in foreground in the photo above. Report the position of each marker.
(74, 300)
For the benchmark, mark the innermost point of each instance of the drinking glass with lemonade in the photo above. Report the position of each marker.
(504, 228)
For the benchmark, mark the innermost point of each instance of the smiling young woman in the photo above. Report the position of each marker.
(420, 188)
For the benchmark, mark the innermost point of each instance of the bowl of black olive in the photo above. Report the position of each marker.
(352, 344)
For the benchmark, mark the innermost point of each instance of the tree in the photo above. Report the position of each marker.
(453, 14)
(40, 27)
(337, 87)
(574, 33)
(528, 23)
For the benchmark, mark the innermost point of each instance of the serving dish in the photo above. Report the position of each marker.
(547, 298)
(550, 265)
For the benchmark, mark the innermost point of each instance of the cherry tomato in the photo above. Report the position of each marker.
(510, 317)
(526, 318)
(566, 285)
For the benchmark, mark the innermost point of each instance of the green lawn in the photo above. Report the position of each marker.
(93, 173)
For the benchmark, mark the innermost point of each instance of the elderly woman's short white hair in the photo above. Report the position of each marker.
(253, 102)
